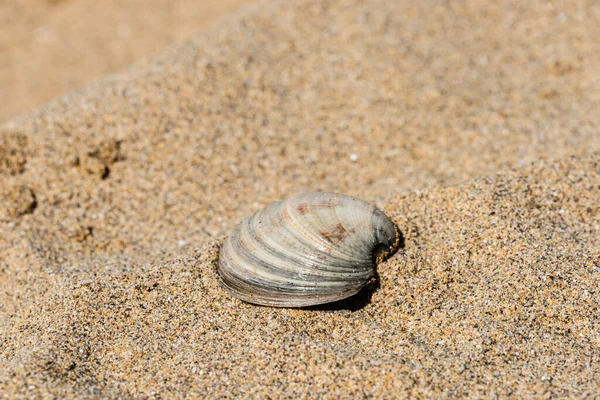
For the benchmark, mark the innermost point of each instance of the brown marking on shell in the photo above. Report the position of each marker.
(302, 209)
(324, 203)
(337, 234)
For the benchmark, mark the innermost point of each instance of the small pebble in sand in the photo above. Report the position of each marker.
(310, 249)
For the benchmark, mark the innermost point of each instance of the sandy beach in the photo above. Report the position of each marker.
(48, 47)
(473, 125)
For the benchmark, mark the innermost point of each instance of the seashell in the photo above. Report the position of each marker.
(310, 249)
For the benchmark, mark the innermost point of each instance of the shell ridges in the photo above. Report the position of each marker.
(309, 249)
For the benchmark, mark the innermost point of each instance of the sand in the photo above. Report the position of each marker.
(474, 126)
(50, 46)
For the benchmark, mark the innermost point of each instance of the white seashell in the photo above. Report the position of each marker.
(312, 248)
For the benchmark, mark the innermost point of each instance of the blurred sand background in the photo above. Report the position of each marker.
(48, 47)
(474, 125)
